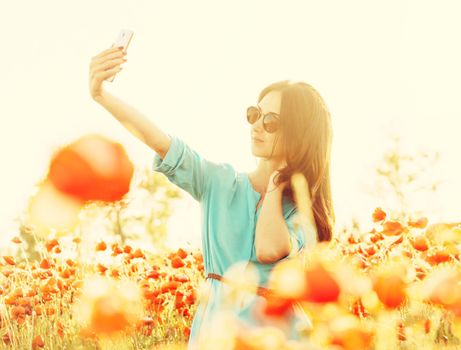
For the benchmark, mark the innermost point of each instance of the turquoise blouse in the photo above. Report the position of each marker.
(228, 201)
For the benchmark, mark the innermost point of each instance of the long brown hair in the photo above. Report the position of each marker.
(307, 134)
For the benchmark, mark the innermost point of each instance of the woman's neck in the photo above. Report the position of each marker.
(261, 175)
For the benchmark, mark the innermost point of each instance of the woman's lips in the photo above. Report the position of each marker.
(257, 140)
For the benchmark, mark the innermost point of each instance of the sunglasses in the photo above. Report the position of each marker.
(271, 121)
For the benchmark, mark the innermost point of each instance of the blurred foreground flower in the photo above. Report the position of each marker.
(443, 287)
(50, 210)
(390, 285)
(92, 168)
(106, 306)
(349, 333)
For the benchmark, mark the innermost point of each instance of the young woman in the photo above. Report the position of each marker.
(246, 217)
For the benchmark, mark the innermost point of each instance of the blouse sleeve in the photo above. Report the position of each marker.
(184, 167)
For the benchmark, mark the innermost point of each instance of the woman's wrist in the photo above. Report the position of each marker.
(275, 189)
(101, 97)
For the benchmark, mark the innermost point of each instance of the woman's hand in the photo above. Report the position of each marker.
(103, 66)
(272, 187)
(281, 186)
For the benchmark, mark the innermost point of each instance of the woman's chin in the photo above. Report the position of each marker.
(256, 150)
(259, 154)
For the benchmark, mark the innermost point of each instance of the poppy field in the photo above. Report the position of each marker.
(396, 286)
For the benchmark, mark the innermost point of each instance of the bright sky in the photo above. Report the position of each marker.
(194, 66)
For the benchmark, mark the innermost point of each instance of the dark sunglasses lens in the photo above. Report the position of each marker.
(271, 123)
(252, 114)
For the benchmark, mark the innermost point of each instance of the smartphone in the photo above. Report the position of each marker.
(123, 39)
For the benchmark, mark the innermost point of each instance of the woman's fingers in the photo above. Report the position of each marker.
(106, 62)
(103, 75)
(109, 64)
(108, 51)
(100, 72)
(111, 55)
(105, 55)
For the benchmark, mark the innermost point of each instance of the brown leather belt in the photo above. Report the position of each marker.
(261, 291)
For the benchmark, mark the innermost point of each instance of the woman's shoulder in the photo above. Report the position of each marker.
(225, 174)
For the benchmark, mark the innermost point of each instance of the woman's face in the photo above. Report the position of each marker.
(270, 103)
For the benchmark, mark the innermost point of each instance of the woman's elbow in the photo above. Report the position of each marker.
(272, 257)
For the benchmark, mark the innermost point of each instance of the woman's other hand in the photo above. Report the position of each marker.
(271, 186)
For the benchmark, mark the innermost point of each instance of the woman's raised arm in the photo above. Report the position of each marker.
(183, 166)
(139, 125)
(104, 65)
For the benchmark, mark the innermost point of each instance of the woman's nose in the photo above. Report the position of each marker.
(258, 125)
